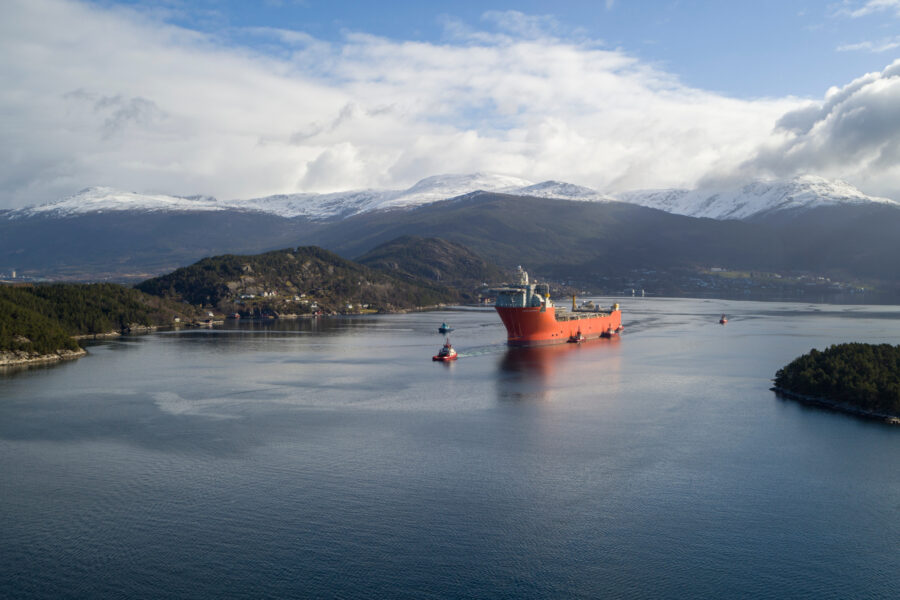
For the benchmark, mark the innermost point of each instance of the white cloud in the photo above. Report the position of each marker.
(877, 47)
(112, 97)
(854, 133)
(872, 6)
(522, 25)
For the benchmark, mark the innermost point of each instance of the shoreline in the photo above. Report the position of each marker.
(17, 358)
(131, 329)
(21, 358)
(842, 407)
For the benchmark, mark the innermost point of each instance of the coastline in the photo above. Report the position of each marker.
(117, 332)
(843, 407)
(15, 358)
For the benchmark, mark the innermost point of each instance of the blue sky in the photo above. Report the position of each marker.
(745, 49)
(245, 99)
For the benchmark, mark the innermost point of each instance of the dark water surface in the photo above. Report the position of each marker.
(333, 459)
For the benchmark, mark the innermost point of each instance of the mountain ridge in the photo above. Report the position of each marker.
(605, 245)
(747, 200)
(754, 199)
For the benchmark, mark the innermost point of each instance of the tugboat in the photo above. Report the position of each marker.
(444, 328)
(723, 320)
(446, 353)
(576, 338)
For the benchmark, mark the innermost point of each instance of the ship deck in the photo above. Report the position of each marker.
(578, 315)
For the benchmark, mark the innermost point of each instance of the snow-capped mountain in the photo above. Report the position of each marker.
(441, 187)
(101, 232)
(753, 199)
(311, 205)
(739, 202)
(345, 204)
(562, 190)
(100, 199)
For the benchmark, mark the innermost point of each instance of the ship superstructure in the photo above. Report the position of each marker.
(532, 319)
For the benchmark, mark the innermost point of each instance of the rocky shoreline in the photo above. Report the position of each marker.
(843, 407)
(117, 333)
(15, 358)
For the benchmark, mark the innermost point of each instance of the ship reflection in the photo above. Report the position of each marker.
(532, 372)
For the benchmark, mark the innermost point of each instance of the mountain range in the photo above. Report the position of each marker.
(737, 201)
(803, 225)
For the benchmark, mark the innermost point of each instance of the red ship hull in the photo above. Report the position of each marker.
(536, 326)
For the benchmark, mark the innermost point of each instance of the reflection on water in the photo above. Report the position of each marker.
(533, 372)
(543, 361)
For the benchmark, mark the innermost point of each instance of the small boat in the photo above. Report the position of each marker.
(723, 320)
(446, 353)
(576, 338)
(444, 328)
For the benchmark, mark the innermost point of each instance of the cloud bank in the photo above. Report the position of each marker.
(853, 134)
(99, 96)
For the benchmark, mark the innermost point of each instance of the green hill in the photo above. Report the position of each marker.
(42, 319)
(25, 329)
(435, 260)
(294, 280)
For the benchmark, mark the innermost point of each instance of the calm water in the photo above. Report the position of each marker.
(334, 459)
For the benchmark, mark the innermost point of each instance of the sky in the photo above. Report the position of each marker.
(240, 99)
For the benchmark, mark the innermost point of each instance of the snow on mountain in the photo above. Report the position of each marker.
(345, 204)
(739, 202)
(310, 205)
(561, 190)
(100, 199)
(441, 187)
(315, 206)
(753, 199)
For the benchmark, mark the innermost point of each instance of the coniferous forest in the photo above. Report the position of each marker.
(866, 376)
(43, 319)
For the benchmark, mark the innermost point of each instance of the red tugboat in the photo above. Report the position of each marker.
(723, 320)
(446, 353)
(531, 319)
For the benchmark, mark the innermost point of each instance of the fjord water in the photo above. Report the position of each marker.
(333, 458)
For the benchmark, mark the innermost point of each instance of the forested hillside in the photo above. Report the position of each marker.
(294, 280)
(43, 319)
(436, 260)
(23, 327)
(863, 375)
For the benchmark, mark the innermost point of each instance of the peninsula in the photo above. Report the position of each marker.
(42, 323)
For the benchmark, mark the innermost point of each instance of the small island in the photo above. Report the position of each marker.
(856, 378)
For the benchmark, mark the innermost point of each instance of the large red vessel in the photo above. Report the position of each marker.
(531, 319)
